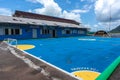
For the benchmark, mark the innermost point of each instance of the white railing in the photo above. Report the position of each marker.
(11, 41)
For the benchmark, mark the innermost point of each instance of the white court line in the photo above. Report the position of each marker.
(70, 74)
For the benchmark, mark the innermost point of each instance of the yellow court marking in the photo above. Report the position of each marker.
(86, 75)
(25, 47)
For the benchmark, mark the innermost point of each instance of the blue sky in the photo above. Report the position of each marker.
(94, 14)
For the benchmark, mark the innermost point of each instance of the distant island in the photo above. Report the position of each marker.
(116, 30)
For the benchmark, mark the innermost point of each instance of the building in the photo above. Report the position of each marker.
(25, 25)
(101, 33)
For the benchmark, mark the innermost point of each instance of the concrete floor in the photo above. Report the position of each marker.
(116, 74)
(13, 68)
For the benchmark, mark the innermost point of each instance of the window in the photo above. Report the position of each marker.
(68, 31)
(63, 31)
(6, 31)
(1, 31)
(45, 31)
(48, 31)
(12, 31)
(17, 31)
(74, 31)
(81, 32)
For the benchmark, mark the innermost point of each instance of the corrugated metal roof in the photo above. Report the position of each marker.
(17, 20)
(30, 15)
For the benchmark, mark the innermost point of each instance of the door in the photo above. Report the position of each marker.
(53, 33)
(34, 33)
(1, 31)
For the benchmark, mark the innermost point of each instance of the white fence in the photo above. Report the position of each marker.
(11, 41)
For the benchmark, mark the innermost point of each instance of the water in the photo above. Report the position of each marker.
(76, 53)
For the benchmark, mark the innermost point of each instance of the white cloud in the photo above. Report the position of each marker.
(33, 1)
(71, 15)
(87, 7)
(29, 10)
(5, 11)
(107, 13)
(91, 1)
(92, 28)
(79, 11)
(103, 26)
(82, 0)
(50, 7)
(68, 1)
(108, 26)
(103, 8)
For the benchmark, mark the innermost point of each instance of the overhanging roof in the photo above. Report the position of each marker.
(30, 15)
(17, 20)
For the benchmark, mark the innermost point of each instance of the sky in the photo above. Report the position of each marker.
(94, 14)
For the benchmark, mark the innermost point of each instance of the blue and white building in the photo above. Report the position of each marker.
(24, 27)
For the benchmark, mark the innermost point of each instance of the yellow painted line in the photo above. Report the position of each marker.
(86, 75)
(25, 47)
